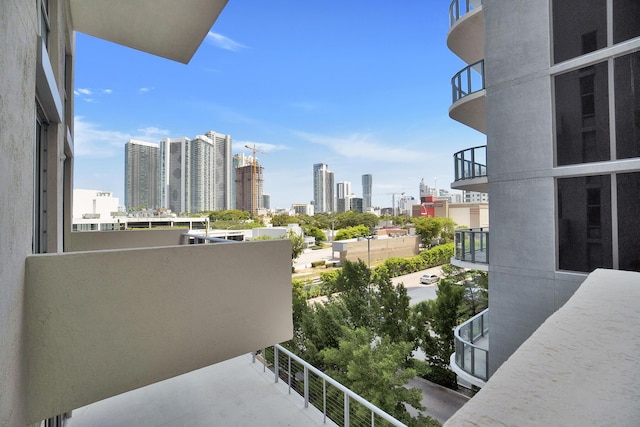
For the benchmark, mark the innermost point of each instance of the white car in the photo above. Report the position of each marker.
(427, 279)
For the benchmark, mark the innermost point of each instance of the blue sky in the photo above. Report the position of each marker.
(363, 86)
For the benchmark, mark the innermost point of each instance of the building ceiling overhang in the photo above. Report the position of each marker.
(167, 28)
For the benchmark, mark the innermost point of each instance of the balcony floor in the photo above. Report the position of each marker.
(230, 393)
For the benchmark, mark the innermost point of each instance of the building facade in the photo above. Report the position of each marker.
(249, 184)
(175, 177)
(367, 192)
(555, 87)
(142, 174)
(343, 196)
(323, 196)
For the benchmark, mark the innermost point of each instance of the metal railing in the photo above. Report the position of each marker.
(468, 80)
(200, 239)
(336, 402)
(472, 245)
(470, 357)
(459, 8)
(471, 163)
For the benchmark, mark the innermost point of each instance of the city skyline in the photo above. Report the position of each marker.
(369, 96)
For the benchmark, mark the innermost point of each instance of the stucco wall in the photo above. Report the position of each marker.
(103, 240)
(382, 249)
(105, 322)
(17, 83)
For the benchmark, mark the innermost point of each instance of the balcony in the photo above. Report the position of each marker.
(471, 359)
(472, 248)
(469, 97)
(580, 367)
(466, 30)
(471, 170)
(150, 310)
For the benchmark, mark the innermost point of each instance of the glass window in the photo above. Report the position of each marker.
(626, 20)
(584, 223)
(628, 189)
(582, 115)
(627, 94)
(579, 27)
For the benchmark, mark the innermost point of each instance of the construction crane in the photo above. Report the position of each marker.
(393, 201)
(254, 184)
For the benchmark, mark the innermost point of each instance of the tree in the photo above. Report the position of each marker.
(313, 231)
(297, 244)
(391, 304)
(351, 232)
(353, 285)
(428, 229)
(436, 320)
(374, 368)
(281, 220)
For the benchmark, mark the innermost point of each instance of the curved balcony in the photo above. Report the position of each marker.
(466, 30)
(472, 248)
(468, 97)
(471, 359)
(471, 170)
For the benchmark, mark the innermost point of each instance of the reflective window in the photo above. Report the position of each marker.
(582, 115)
(627, 101)
(626, 20)
(628, 192)
(579, 27)
(584, 223)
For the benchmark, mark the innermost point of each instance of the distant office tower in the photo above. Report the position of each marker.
(425, 191)
(266, 201)
(356, 204)
(343, 192)
(323, 189)
(196, 174)
(249, 187)
(302, 209)
(141, 174)
(367, 191)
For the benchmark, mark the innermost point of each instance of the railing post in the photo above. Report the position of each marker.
(324, 400)
(346, 409)
(306, 387)
(264, 360)
(289, 374)
(275, 363)
(473, 163)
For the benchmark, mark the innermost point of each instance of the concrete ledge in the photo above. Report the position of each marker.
(581, 367)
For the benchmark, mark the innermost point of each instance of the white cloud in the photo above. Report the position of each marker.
(92, 141)
(107, 91)
(143, 90)
(363, 147)
(151, 134)
(83, 91)
(261, 146)
(223, 42)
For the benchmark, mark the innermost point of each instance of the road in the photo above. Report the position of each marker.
(415, 290)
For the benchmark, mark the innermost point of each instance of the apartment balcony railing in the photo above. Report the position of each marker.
(459, 8)
(337, 403)
(472, 349)
(472, 245)
(471, 163)
(468, 80)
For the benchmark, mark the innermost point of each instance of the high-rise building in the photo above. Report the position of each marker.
(237, 161)
(142, 172)
(555, 86)
(367, 191)
(266, 201)
(195, 173)
(222, 170)
(343, 195)
(323, 189)
(249, 187)
(175, 177)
